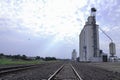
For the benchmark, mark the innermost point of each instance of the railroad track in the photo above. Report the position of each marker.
(8, 70)
(65, 72)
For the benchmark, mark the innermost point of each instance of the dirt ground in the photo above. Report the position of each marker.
(97, 71)
(111, 66)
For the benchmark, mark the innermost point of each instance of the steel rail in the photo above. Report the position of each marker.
(76, 73)
(14, 69)
(52, 76)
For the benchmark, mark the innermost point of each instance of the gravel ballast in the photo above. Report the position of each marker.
(42, 72)
(91, 72)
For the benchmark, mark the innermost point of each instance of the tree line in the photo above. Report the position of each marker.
(24, 57)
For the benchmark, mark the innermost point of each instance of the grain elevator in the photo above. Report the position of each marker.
(89, 40)
(74, 55)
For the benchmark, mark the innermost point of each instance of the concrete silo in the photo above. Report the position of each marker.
(112, 49)
(89, 40)
(74, 55)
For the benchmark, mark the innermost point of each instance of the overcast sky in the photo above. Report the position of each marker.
(52, 27)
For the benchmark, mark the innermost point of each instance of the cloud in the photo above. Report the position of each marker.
(61, 20)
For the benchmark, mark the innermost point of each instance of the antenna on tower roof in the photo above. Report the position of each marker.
(93, 11)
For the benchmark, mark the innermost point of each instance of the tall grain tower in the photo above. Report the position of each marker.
(89, 39)
(74, 55)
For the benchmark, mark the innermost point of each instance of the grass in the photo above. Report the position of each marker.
(4, 61)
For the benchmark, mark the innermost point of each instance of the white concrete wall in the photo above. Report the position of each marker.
(86, 39)
(82, 44)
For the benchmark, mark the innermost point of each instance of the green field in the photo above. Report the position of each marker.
(4, 61)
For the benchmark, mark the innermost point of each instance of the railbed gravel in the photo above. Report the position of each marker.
(88, 72)
(43, 72)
